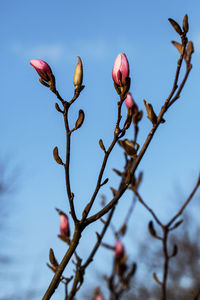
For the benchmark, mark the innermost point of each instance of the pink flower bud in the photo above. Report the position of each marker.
(130, 103)
(119, 249)
(64, 223)
(120, 69)
(99, 297)
(129, 100)
(42, 68)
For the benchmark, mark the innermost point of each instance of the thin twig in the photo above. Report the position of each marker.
(185, 203)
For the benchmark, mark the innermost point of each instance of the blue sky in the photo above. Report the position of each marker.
(31, 127)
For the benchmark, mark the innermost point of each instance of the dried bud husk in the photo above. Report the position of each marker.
(117, 172)
(155, 277)
(113, 191)
(52, 258)
(129, 147)
(137, 117)
(64, 238)
(178, 46)
(51, 267)
(80, 119)
(101, 144)
(189, 50)
(43, 82)
(150, 112)
(127, 85)
(175, 250)
(176, 26)
(52, 83)
(57, 107)
(56, 156)
(117, 88)
(185, 24)
(78, 74)
(128, 118)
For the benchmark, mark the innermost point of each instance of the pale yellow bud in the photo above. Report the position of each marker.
(78, 74)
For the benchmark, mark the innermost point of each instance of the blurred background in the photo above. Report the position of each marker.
(33, 184)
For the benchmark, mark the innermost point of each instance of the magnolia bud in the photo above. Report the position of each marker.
(99, 297)
(119, 249)
(42, 68)
(64, 224)
(78, 74)
(130, 103)
(120, 69)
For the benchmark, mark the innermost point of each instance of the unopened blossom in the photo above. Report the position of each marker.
(130, 103)
(78, 74)
(64, 224)
(120, 69)
(42, 68)
(119, 249)
(99, 297)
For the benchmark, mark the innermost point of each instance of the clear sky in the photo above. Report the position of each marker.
(58, 31)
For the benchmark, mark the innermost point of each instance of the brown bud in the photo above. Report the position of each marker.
(137, 117)
(123, 229)
(178, 46)
(155, 277)
(64, 238)
(78, 74)
(80, 119)
(185, 24)
(129, 147)
(176, 26)
(105, 181)
(113, 191)
(150, 112)
(117, 172)
(175, 250)
(57, 107)
(189, 50)
(151, 229)
(101, 144)
(52, 258)
(56, 156)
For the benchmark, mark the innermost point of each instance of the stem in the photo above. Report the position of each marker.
(66, 165)
(106, 156)
(55, 281)
(166, 263)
